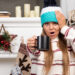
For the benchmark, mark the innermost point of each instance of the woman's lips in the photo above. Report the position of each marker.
(52, 33)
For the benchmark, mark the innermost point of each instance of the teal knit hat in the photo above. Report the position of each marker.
(48, 14)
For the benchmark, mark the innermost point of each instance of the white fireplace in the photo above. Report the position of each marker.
(26, 27)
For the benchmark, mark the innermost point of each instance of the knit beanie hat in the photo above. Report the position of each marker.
(48, 12)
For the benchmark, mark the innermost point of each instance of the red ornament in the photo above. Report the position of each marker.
(2, 42)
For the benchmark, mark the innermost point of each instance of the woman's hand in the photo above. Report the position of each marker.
(61, 19)
(31, 42)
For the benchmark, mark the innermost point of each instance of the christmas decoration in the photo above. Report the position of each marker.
(5, 40)
(23, 61)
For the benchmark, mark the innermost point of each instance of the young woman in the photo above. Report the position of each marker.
(60, 58)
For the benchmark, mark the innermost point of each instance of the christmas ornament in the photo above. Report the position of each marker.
(5, 39)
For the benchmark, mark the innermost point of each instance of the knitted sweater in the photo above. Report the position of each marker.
(37, 57)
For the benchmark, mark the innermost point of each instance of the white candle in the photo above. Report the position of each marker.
(32, 13)
(37, 11)
(26, 10)
(18, 11)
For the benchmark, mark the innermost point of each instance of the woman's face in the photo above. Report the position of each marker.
(51, 29)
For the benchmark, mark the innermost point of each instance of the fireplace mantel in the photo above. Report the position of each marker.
(26, 27)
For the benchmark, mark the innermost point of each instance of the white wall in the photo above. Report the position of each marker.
(70, 5)
(63, 6)
(6, 65)
(67, 6)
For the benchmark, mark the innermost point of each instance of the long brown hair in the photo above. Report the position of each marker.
(62, 44)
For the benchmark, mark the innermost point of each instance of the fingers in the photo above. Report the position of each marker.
(31, 42)
(61, 18)
(59, 14)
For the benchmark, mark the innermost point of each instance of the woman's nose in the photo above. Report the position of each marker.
(50, 26)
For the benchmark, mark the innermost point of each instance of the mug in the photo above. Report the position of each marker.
(43, 43)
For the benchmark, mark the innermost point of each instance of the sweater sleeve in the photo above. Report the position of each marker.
(69, 33)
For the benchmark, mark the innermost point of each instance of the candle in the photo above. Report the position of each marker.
(18, 11)
(26, 10)
(37, 11)
(32, 13)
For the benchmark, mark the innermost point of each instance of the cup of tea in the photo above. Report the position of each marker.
(43, 43)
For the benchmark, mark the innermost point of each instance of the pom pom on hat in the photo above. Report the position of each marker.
(48, 12)
(49, 3)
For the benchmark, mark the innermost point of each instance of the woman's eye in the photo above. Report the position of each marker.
(46, 23)
(55, 23)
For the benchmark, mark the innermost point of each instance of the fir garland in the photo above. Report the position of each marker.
(5, 41)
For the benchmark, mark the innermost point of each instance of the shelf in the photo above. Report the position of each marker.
(19, 20)
(7, 54)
